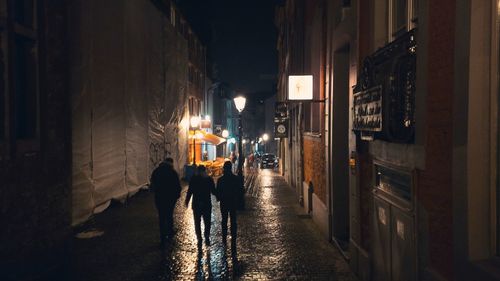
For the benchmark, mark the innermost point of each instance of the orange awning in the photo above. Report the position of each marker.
(202, 136)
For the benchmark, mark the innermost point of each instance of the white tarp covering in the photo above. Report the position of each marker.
(129, 75)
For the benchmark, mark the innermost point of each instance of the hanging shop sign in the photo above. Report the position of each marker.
(300, 87)
(368, 110)
(384, 96)
(218, 130)
(280, 110)
(280, 128)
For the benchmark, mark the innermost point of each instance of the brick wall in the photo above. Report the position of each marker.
(35, 193)
(435, 189)
(314, 165)
(364, 169)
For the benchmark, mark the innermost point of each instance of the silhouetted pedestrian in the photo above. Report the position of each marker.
(230, 193)
(167, 188)
(200, 187)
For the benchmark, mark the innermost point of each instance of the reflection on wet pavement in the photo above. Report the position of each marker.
(274, 243)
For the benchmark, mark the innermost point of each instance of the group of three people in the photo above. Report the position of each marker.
(229, 191)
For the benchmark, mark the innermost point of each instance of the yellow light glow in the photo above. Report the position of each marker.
(195, 121)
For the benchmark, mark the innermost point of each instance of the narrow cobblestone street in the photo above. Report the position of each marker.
(276, 242)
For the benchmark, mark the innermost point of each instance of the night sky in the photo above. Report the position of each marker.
(241, 40)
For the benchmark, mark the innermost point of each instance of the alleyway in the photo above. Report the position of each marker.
(275, 243)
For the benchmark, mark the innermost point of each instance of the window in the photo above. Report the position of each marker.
(402, 17)
(3, 97)
(173, 17)
(399, 12)
(194, 107)
(25, 87)
(24, 13)
(24, 70)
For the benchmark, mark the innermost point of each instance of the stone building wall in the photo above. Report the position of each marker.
(35, 193)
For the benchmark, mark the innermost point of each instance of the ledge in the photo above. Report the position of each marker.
(312, 135)
(406, 155)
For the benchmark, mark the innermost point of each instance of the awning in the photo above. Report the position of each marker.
(202, 136)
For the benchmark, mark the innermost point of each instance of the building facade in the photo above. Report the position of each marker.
(406, 137)
(35, 139)
(93, 95)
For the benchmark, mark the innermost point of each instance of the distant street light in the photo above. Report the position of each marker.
(225, 134)
(240, 102)
(265, 138)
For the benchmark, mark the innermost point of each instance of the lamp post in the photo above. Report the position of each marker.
(194, 122)
(225, 134)
(239, 102)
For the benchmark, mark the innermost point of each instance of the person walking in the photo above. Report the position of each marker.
(167, 189)
(230, 193)
(201, 186)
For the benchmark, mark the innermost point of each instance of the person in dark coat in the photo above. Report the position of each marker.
(167, 188)
(201, 186)
(229, 191)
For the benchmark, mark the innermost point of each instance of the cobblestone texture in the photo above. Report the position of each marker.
(275, 243)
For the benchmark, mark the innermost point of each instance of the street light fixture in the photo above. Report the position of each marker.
(225, 134)
(265, 138)
(240, 102)
(195, 123)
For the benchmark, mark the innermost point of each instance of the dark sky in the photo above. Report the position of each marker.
(241, 37)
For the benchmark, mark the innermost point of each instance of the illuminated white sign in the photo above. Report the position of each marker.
(300, 87)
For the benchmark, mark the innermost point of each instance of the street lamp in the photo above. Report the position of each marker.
(195, 123)
(239, 102)
(265, 138)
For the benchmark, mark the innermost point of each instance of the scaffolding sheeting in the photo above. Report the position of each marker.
(129, 99)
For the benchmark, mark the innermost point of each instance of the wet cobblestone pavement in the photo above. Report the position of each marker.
(275, 243)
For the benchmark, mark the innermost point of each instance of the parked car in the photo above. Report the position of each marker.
(268, 160)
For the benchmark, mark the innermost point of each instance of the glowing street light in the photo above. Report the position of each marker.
(265, 137)
(225, 134)
(195, 122)
(240, 102)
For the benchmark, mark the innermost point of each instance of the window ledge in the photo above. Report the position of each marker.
(27, 147)
(312, 134)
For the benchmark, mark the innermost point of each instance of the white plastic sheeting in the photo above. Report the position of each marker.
(129, 77)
